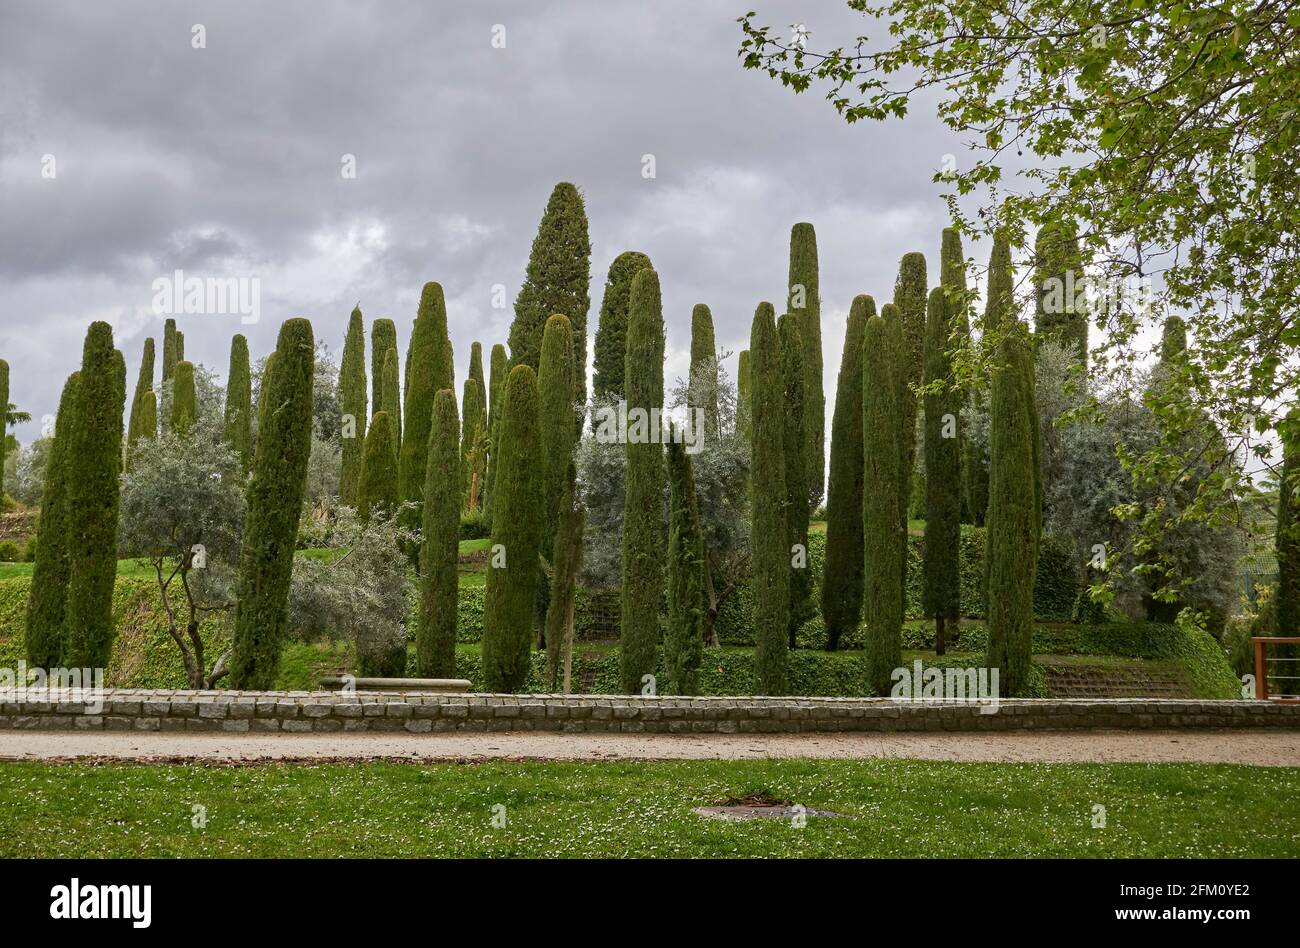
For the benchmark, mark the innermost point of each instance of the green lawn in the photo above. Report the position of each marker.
(895, 808)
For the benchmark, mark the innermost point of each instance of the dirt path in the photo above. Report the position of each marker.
(1264, 748)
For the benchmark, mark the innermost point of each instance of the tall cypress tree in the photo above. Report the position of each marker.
(744, 396)
(805, 301)
(144, 383)
(942, 473)
(643, 536)
(789, 329)
(999, 309)
(352, 403)
(430, 372)
(1061, 312)
(377, 480)
(497, 366)
(148, 416)
(184, 398)
(1012, 537)
(558, 281)
(275, 495)
(684, 641)
(611, 334)
(516, 538)
(476, 363)
(704, 368)
(238, 428)
(556, 416)
(171, 354)
(769, 538)
(842, 579)
(472, 434)
(383, 336)
(48, 601)
(94, 465)
(910, 300)
(435, 642)
(884, 538)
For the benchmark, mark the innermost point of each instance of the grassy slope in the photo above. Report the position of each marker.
(899, 808)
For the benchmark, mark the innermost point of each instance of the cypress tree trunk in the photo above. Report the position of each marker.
(567, 557)
(184, 399)
(1012, 537)
(496, 385)
(558, 281)
(430, 372)
(516, 538)
(704, 369)
(804, 273)
(377, 481)
(435, 641)
(352, 402)
(1060, 312)
(94, 464)
(882, 414)
(48, 601)
(744, 397)
(643, 525)
(611, 334)
(238, 430)
(684, 642)
(842, 579)
(789, 330)
(144, 382)
(383, 336)
(171, 355)
(556, 417)
(771, 556)
(943, 473)
(274, 505)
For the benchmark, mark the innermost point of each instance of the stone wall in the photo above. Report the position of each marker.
(301, 711)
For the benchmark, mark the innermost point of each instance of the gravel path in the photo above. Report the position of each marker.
(1264, 748)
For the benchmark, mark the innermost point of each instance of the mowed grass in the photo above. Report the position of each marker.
(893, 808)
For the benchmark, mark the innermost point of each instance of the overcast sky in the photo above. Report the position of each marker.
(226, 161)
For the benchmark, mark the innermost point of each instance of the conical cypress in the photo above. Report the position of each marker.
(842, 580)
(352, 403)
(184, 398)
(789, 329)
(94, 465)
(704, 367)
(910, 300)
(744, 398)
(238, 427)
(496, 393)
(643, 535)
(148, 416)
(769, 542)
(942, 472)
(144, 383)
(472, 458)
(430, 372)
(476, 364)
(171, 354)
(377, 481)
(883, 535)
(558, 281)
(684, 641)
(556, 416)
(999, 309)
(435, 641)
(47, 604)
(804, 274)
(1061, 312)
(1012, 538)
(611, 334)
(516, 538)
(274, 506)
(383, 336)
